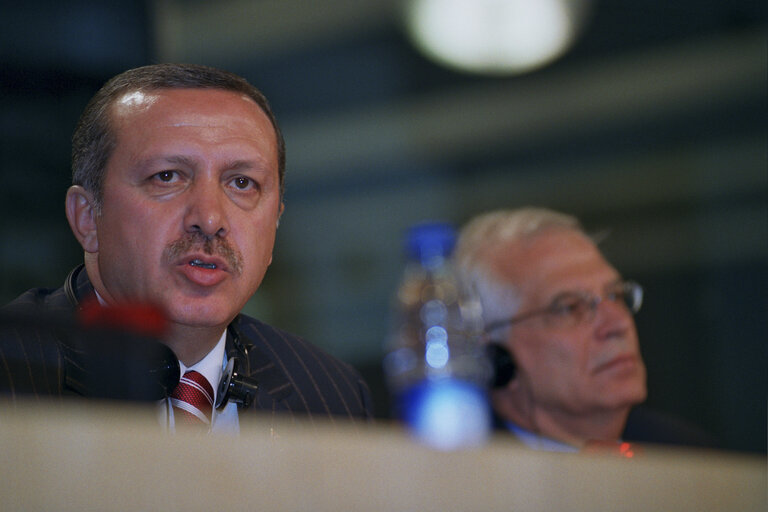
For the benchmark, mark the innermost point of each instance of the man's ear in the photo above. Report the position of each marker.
(81, 215)
(277, 225)
(280, 214)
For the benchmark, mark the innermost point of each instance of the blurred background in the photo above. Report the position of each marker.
(648, 122)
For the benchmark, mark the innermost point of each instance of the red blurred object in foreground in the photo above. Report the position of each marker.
(616, 448)
(135, 318)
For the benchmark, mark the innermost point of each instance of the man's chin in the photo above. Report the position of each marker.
(201, 318)
(630, 398)
(619, 395)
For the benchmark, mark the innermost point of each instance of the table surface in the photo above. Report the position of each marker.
(115, 458)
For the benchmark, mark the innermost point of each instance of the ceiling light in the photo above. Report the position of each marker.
(495, 36)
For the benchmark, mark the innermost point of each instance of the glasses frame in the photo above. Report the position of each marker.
(629, 289)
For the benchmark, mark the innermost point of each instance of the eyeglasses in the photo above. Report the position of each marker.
(571, 308)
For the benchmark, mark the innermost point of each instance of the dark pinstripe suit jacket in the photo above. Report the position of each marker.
(294, 377)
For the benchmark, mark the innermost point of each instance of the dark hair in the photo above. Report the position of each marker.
(94, 139)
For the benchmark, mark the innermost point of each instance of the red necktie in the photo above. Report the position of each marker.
(192, 401)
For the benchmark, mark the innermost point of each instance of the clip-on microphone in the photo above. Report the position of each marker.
(235, 387)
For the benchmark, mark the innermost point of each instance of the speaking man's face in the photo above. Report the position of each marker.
(191, 201)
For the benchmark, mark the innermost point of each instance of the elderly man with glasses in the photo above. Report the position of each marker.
(559, 322)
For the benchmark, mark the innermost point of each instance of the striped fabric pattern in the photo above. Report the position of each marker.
(296, 379)
(192, 401)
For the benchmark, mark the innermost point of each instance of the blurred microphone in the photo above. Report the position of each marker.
(106, 352)
(133, 317)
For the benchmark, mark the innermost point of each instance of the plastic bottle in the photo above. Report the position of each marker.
(436, 369)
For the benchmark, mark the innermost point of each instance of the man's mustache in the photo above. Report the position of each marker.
(211, 246)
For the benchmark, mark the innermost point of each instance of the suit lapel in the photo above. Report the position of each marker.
(256, 365)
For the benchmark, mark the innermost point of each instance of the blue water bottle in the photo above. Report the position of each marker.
(435, 367)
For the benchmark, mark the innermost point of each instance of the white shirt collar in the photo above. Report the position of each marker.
(539, 442)
(212, 365)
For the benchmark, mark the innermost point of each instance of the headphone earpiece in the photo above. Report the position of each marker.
(503, 364)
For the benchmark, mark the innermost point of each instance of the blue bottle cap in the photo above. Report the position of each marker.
(428, 240)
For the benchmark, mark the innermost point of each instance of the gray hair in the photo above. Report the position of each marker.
(482, 235)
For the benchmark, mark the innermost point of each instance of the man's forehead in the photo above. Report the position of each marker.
(208, 108)
(150, 122)
(538, 249)
(136, 100)
(553, 258)
(133, 101)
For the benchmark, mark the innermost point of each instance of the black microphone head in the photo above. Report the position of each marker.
(117, 354)
(119, 365)
(97, 354)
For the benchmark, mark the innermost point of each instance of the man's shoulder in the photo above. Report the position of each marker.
(46, 301)
(278, 342)
(32, 357)
(37, 301)
(652, 426)
(288, 364)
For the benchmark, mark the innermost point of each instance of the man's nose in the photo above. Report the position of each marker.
(206, 210)
(612, 318)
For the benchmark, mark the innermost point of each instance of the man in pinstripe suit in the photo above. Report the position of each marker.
(178, 176)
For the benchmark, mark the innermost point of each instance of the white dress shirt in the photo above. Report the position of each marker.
(211, 367)
(539, 442)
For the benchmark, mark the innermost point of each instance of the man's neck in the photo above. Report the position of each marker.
(191, 344)
(570, 428)
(577, 429)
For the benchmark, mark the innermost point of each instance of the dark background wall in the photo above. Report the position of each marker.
(652, 127)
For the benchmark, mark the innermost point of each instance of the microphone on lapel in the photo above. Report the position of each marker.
(235, 387)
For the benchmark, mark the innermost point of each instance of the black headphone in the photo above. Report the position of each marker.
(235, 387)
(503, 364)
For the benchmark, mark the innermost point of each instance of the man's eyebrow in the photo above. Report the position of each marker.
(180, 159)
(187, 161)
(239, 165)
(167, 159)
(563, 295)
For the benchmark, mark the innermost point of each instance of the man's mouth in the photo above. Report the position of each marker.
(621, 361)
(202, 271)
(193, 250)
(200, 263)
